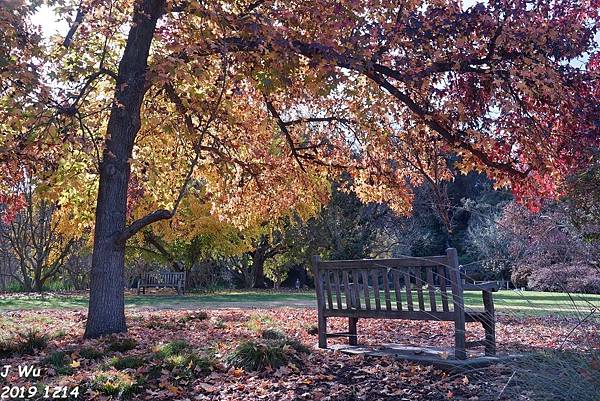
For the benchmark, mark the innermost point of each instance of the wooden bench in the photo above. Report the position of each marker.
(162, 280)
(413, 288)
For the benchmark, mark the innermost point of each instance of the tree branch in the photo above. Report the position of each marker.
(78, 20)
(139, 224)
(283, 127)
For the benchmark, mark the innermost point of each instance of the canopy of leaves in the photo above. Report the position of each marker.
(259, 104)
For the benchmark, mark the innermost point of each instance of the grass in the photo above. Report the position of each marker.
(513, 302)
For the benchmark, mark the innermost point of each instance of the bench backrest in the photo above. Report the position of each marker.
(431, 284)
(164, 278)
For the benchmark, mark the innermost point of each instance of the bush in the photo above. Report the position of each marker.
(201, 315)
(90, 353)
(128, 362)
(563, 277)
(270, 334)
(115, 383)
(32, 341)
(178, 357)
(59, 361)
(117, 344)
(24, 343)
(172, 348)
(255, 356)
(259, 355)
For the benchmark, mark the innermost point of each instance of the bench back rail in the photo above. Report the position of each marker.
(163, 279)
(406, 285)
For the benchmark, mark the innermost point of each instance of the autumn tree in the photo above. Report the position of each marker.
(265, 101)
(36, 240)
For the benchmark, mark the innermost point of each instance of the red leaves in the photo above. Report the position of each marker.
(10, 205)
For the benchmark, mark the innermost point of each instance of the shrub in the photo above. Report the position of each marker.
(117, 344)
(59, 361)
(256, 322)
(90, 353)
(183, 361)
(294, 344)
(271, 334)
(128, 362)
(259, 355)
(575, 277)
(115, 383)
(24, 343)
(7, 347)
(219, 324)
(313, 330)
(171, 348)
(200, 315)
(255, 356)
(31, 341)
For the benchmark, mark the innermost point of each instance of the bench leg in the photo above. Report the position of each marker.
(489, 324)
(322, 331)
(352, 338)
(459, 338)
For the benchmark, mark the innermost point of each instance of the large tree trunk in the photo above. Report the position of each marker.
(258, 265)
(106, 307)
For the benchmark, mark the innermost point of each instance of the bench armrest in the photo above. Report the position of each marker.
(491, 286)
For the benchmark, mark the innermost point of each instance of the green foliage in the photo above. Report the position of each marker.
(256, 356)
(219, 324)
(117, 344)
(171, 348)
(127, 362)
(15, 286)
(31, 341)
(201, 315)
(257, 322)
(260, 355)
(90, 353)
(178, 357)
(271, 334)
(114, 383)
(59, 360)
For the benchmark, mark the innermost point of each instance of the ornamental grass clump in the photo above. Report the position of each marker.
(269, 353)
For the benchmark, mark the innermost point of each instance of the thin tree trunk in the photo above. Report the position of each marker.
(106, 306)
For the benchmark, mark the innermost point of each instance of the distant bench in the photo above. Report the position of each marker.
(174, 280)
(386, 289)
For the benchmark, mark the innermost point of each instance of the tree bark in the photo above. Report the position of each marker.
(258, 266)
(106, 306)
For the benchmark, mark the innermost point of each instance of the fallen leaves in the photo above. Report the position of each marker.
(321, 375)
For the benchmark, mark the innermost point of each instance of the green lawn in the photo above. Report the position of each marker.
(529, 302)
